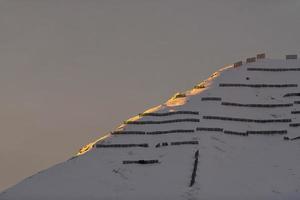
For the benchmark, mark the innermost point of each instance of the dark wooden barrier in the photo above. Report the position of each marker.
(295, 112)
(251, 60)
(170, 113)
(194, 173)
(257, 85)
(209, 129)
(295, 125)
(247, 120)
(171, 131)
(272, 69)
(296, 102)
(143, 162)
(261, 56)
(237, 64)
(257, 105)
(235, 133)
(162, 122)
(121, 145)
(211, 99)
(295, 138)
(292, 95)
(272, 132)
(185, 142)
(291, 57)
(128, 133)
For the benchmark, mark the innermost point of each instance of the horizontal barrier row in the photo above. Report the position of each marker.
(296, 102)
(235, 133)
(292, 95)
(256, 105)
(121, 145)
(171, 131)
(295, 138)
(128, 132)
(209, 129)
(162, 122)
(273, 69)
(295, 112)
(185, 142)
(247, 120)
(280, 132)
(162, 144)
(170, 113)
(211, 99)
(291, 57)
(257, 85)
(295, 125)
(194, 173)
(143, 162)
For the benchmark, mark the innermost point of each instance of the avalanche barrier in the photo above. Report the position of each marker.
(256, 105)
(170, 113)
(171, 131)
(128, 133)
(121, 145)
(272, 69)
(247, 120)
(292, 95)
(257, 85)
(163, 122)
(194, 173)
(143, 162)
(295, 125)
(184, 142)
(273, 132)
(295, 112)
(209, 129)
(211, 99)
(235, 133)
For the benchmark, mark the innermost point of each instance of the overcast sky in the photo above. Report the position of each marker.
(70, 71)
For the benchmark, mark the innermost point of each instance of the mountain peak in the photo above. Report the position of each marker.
(234, 135)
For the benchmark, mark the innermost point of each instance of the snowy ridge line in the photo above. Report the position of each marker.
(256, 105)
(295, 112)
(280, 132)
(170, 113)
(272, 69)
(185, 142)
(143, 162)
(296, 102)
(246, 120)
(294, 124)
(257, 85)
(128, 133)
(235, 133)
(211, 99)
(194, 173)
(171, 131)
(121, 145)
(162, 122)
(297, 94)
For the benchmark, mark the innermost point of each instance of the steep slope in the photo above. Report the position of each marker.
(233, 136)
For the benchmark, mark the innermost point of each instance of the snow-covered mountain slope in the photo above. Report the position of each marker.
(233, 136)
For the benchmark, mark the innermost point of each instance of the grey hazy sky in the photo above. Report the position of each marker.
(72, 70)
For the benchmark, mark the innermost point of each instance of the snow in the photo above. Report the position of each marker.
(230, 166)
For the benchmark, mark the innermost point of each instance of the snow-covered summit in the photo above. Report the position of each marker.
(235, 135)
